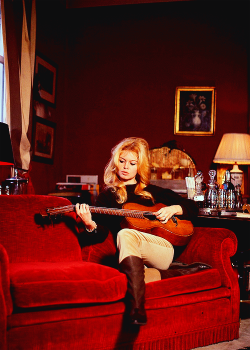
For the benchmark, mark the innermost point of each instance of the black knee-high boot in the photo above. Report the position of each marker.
(133, 267)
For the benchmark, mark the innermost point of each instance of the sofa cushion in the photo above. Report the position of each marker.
(204, 280)
(42, 283)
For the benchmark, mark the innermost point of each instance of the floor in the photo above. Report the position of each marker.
(244, 340)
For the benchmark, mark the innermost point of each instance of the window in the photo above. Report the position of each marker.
(2, 79)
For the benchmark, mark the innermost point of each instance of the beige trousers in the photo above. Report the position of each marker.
(156, 252)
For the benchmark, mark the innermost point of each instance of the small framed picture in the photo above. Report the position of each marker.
(45, 80)
(195, 111)
(43, 140)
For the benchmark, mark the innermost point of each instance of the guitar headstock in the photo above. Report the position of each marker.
(44, 214)
(51, 215)
(45, 217)
(42, 218)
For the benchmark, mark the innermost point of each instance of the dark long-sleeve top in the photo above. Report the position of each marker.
(107, 199)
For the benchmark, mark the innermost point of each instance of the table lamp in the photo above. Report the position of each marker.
(15, 184)
(6, 154)
(234, 148)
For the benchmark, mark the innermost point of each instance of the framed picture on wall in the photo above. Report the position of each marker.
(195, 111)
(45, 80)
(43, 140)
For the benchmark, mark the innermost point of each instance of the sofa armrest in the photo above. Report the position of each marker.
(3, 321)
(215, 246)
(5, 280)
(6, 305)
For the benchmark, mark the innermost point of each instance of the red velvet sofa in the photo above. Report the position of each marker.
(56, 294)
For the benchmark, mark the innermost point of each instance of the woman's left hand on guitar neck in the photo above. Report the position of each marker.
(85, 214)
(165, 213)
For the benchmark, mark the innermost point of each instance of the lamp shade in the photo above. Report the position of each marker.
(6, 154)
(233, 148)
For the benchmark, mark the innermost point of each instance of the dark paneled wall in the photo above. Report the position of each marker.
(118, 70)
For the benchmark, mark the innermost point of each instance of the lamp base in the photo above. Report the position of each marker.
(236, 169)
(237, 175)
(221, 169)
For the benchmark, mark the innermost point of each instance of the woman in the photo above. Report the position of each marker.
(126, 178)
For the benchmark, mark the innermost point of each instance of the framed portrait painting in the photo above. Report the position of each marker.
(45, 80)
(195, 111)
(43, 140)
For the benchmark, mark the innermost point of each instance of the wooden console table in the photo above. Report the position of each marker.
(241, 227)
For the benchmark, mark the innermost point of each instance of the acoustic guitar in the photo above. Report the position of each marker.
(141, 218)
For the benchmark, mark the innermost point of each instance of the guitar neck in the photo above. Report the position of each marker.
(99, 210)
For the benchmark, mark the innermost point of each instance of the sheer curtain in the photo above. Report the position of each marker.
(19, 56)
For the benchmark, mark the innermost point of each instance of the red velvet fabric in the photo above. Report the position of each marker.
(100, 252)
(25, 240)
(42, 284)
(5, 279)
(184, 299)
(215, 246)
(3, 320)
(32, 316)
(204, 280)
(79, 335)
(182, 314)
(181, 328)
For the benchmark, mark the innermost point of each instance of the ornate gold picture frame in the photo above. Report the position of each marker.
(195, 111)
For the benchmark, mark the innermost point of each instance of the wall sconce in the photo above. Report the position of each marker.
(234, 149)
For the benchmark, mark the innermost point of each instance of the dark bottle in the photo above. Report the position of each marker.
(230, 192)
(227, 185)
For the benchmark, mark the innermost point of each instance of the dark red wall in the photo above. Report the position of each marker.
(121, 67)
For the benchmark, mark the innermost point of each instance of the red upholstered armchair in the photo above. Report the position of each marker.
(56, 294)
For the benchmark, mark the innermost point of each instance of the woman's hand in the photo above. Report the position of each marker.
(82, 210)
(165, 213)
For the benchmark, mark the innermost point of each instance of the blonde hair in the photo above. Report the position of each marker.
(140, 147)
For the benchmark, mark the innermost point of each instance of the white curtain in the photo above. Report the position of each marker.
(26, 74)
(6, 63)
(26, 80)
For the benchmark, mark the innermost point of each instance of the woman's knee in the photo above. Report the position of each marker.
(126, 235)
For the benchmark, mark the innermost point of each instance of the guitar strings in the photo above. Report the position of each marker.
(100, 210)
